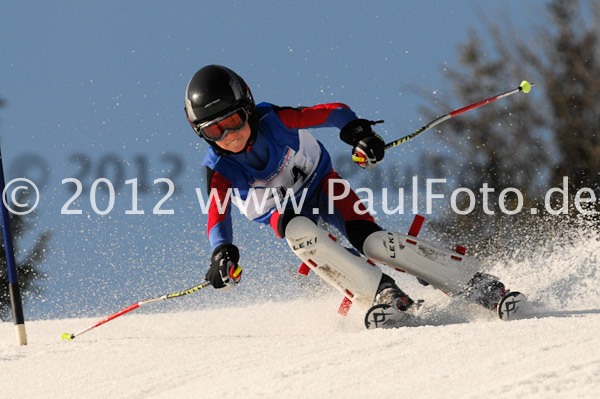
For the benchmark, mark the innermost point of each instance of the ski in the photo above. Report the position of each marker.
(386, 316)
(512, 306)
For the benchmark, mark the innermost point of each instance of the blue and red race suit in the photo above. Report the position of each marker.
(285, 159)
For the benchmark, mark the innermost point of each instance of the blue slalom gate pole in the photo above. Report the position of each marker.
(13, 281)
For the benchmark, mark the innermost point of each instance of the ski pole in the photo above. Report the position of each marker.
(136, 305)
(525, 87)
(128, 309)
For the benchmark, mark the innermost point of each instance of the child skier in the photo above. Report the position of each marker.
(260, 153)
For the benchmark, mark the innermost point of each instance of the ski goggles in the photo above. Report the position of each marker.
(218, 129)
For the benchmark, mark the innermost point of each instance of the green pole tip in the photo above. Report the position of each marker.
(525, 86)
(67, 336)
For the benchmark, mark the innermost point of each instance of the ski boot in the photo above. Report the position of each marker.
(485, 290)
(489, 292)
(391, 307)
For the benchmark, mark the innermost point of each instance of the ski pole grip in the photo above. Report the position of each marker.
(356, 157)
(236, 272)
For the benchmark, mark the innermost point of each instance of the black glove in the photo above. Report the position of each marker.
(368, 148)
(224, 271)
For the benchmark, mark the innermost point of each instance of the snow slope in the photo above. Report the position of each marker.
(269, 351)
(302, 348)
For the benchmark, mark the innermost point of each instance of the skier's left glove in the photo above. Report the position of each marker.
(368, 148)
(224, 271)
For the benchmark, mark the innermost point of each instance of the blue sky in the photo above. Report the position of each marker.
(95, 89)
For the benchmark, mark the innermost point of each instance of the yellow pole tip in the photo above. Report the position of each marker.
(67, 336)
(525, 86)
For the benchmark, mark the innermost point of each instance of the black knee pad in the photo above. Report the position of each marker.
(283, 221)
(357, 232)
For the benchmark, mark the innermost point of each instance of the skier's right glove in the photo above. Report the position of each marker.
(224, 271)
(368, 148)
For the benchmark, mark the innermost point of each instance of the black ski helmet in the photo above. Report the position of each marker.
(215, 91)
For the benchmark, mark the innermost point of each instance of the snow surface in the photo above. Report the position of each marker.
(303, 348)
(269, 350)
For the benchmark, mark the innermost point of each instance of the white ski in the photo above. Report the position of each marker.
(512, 306)
(386, 316)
